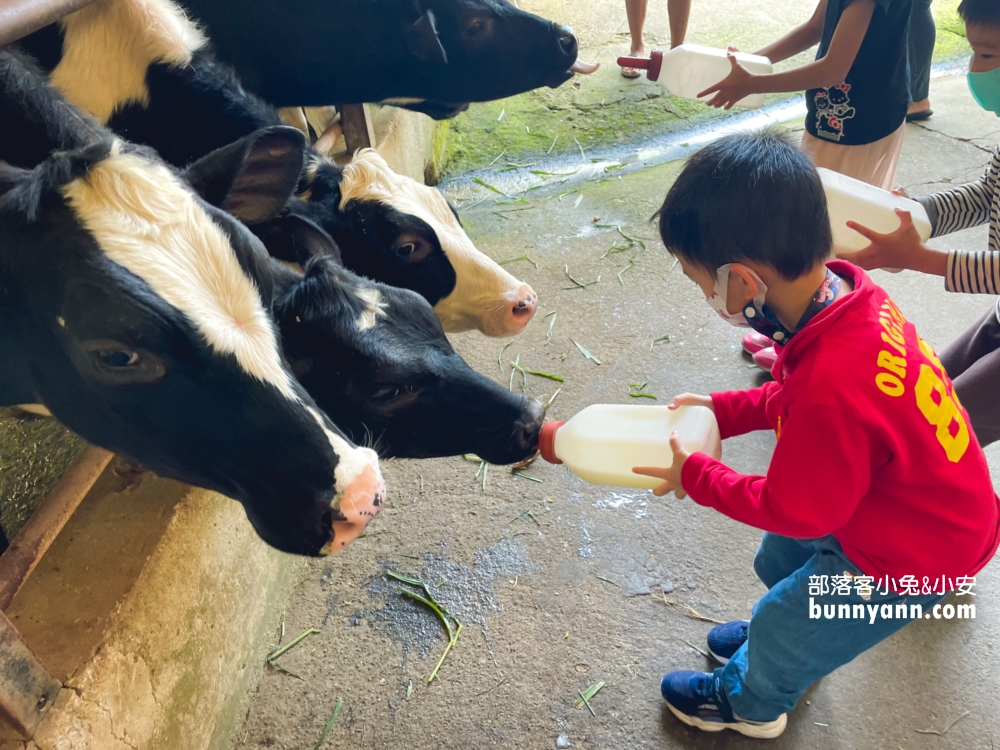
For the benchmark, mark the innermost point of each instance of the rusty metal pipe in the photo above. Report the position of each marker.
(22, 17)
(44, 526)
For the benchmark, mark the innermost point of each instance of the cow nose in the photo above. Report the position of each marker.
(529, 425)
(567, 42)
(524, 309)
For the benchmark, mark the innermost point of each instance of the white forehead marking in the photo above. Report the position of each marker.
(483, 289)
(352, 461)
(373, 310)
(145, 219)
(109, 45)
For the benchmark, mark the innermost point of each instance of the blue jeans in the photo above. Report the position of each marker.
(920, 48)
(788, 649)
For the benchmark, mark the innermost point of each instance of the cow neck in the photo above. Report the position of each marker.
(36, 120)
(108, 47)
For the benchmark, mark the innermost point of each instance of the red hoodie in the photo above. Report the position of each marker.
(873, 447)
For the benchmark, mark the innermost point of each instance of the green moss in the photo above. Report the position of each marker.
(34, 454)
(951, 42)
(552, 122)
(434, 170)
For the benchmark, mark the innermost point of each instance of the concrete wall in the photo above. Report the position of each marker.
(156, 607)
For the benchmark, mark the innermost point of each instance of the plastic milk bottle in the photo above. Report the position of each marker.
(689, 69)
(852, 200)
(603, 442)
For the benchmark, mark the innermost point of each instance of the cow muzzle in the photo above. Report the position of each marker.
(359, 503)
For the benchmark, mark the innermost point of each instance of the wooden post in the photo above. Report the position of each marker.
(27, 690)
(356, 120)
(22, 17)
(27, 548)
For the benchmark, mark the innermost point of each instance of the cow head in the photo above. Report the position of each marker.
(137, 313)
(480, 50)
(395, 230)
(377, 361)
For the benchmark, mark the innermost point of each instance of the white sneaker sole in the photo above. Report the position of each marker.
(721, 659)
(767, 731)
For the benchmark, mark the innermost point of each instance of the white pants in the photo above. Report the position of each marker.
(874, 163)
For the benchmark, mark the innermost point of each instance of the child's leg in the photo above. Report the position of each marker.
(874, 163)
(973, 363)
(789, 648)
(778, 557)
(920, 50)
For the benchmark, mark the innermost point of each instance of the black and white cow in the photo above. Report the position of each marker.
(145, 70)
(137, 313)
(377, 361)
(433, 56)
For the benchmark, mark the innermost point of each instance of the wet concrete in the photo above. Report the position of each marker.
(591, 586)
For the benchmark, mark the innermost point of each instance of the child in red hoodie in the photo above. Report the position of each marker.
(878, 499)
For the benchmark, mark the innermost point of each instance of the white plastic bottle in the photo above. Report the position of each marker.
(853, 200)
(604, 442)
(689, 69)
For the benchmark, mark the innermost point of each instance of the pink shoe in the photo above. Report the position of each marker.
(753, 342)
(765, 358)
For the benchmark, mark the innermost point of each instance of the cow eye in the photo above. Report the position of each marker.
(405, 249)
(116, 363)
(117, 358)
(390, 394)
(386, 394)
(474, 28)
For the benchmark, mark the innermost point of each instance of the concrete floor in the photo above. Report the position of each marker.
(589, 589)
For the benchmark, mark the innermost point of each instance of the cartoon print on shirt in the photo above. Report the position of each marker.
(832, 109)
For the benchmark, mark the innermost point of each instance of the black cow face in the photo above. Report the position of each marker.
(138, 314)
(434, 56)
(377, 361)
(374, 240)
(483, 50)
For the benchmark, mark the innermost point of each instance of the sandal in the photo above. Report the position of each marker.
(924, 114)
(631, 72)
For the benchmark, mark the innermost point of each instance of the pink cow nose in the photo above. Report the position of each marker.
(524, 309)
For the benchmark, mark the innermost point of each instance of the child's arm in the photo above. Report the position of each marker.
(829, 70)
(949, 211)
(820, 470)
(736, 412)
(740, 412)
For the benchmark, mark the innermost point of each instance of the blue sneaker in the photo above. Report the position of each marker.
(725, 640)
(696, 698)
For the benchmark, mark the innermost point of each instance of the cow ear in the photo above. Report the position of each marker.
(310, 241)
(253, 178)
(422, 39)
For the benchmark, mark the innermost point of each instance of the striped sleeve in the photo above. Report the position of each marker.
(966, 205)
(973, 272)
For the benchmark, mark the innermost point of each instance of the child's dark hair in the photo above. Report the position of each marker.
(980, 12)
(748, 197)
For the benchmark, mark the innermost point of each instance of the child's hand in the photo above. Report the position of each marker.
(736, 86)
(691, 399)
(899, 249)
(671, 476)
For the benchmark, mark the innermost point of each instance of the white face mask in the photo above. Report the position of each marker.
(718, 299)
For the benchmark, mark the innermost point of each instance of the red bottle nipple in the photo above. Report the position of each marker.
(547, 441)
(651, 64)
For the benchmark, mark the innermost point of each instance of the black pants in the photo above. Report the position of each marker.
(973, 364)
